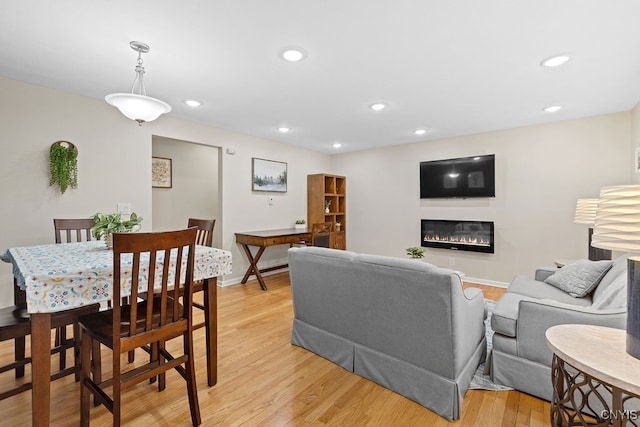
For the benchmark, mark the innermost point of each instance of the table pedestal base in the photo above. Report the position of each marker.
(580, 400)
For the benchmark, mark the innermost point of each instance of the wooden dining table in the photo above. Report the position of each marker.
(60, 277)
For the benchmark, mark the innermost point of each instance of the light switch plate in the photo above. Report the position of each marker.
(124, 208)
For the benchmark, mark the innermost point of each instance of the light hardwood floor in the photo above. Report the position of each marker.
(265, 381)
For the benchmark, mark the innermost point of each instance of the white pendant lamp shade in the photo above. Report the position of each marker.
(586, 211)
(617, 224)
(138, 107)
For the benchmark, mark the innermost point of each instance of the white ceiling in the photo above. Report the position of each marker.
(452, 66)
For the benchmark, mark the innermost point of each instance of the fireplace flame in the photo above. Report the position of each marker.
(462, 240)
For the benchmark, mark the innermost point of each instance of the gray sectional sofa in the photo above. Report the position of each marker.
(520, 357)
(404, 324)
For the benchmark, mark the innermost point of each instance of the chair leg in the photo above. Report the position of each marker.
(19, 351)
(192, 388)
(85, 393)
(61, 338)
(77, 351)
(162, 377)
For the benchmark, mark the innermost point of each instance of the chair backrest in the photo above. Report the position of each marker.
(321, 234)
(74, 230)
(205, 230)
(143, 260)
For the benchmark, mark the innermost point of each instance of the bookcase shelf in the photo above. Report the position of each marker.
(328, 191)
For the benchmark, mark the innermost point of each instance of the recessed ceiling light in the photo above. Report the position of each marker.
(555, 61)
(284, 129)
(420, 131)
(192, 103)
(293, 54)
(378, 106)
(552, 108)
(337, 145)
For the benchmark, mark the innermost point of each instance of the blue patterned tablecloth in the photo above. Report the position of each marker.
(58, 277)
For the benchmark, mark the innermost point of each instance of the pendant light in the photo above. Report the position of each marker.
(137, 105)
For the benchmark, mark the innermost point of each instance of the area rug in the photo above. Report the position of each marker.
(482, 381)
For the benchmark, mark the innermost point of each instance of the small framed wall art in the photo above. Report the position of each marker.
(160, 172)
(268, 175)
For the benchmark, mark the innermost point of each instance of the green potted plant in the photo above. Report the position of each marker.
(415, 252)
(63, 165)
(301, 223)
(107, 224)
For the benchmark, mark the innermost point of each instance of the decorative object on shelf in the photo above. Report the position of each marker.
(617, 227)
(137, 105)
(338, 226)
(161, 172)
(327, 206)
(415, 252)
(107, 224)
(301, 223)
(268, 175)
(63, 165)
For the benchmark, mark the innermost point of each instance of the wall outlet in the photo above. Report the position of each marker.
(124, 208)
(452, 261)
(270, 201)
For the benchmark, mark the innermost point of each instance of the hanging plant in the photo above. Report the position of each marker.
(63, 165)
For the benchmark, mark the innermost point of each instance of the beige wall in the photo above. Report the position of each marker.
(540, 171)
(114, 166)
(635, 142)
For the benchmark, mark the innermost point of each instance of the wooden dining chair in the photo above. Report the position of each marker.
(15, 324)
(321, 234)
(204, 238)
(73, 230)
(146, 323)
(69, 230)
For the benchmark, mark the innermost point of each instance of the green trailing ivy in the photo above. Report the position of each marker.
(63, 165)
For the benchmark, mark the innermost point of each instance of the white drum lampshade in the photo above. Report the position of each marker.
(617, 227)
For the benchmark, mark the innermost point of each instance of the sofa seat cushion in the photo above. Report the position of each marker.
(580, 277)
(527, 286)
(504, 319)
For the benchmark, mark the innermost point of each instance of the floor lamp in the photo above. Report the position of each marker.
(617, 227)
(586, 214)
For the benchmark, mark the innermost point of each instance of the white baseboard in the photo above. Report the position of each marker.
(485, 282)
(272, 263)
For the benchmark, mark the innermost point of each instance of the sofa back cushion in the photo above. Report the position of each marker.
(619, 266)
(614, 295)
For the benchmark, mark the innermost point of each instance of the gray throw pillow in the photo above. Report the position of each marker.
(580, 277)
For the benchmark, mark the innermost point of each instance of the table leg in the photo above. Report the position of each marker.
(40, 368)
(253, 268)
(211, 328)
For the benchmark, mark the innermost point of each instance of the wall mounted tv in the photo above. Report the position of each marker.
(462, 177)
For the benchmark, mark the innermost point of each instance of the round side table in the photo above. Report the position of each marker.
(595, 382)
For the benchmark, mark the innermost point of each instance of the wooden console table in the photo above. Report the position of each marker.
(264, 239)
(595, 381)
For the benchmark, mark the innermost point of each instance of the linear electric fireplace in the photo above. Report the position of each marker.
(475, 236)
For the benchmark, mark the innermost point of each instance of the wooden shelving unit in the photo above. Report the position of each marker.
(324, 190)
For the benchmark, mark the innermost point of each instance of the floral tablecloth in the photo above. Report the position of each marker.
(58, 277)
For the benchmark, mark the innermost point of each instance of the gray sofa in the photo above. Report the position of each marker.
(404, 324)
(520, 357)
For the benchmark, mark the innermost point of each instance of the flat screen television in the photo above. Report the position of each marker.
(462, 177)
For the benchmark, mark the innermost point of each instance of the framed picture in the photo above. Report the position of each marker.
(268, 175)
(160, 172)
